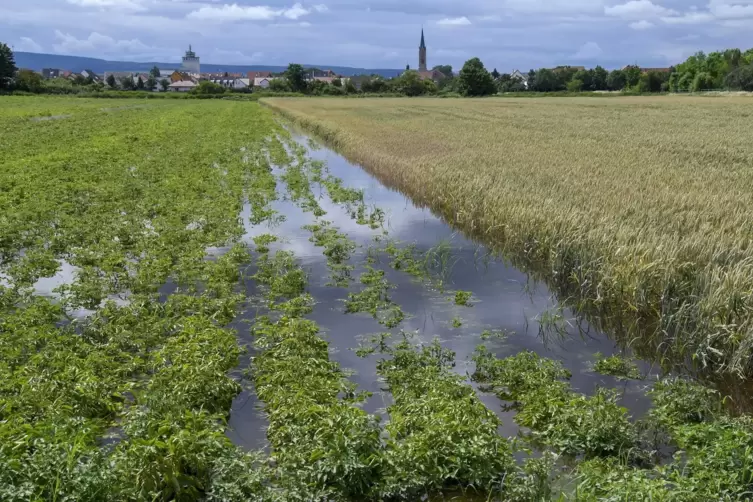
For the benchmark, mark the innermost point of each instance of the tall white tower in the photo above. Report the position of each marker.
(191, 62)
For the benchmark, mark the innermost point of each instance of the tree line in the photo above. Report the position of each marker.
(730, 69)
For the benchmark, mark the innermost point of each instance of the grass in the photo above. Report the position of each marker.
(636, 208)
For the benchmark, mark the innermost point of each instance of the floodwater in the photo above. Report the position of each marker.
(504, 298)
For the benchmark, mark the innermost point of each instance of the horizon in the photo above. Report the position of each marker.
(381, 34)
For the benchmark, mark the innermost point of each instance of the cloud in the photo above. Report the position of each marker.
(27, 45)
(235, 12)
(638, 9)
(641, 25)
(321, 8)
(454, 21)
(96, 42)
(118, 4)
(589, 50)
(692, 17)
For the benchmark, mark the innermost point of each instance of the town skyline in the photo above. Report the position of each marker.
(380, 34)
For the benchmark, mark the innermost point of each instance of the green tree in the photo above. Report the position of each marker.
(140, 84)
(350, 88)
(296, 77)
(546, 80)
(446, 69)
(207, 87)
(79, 80)
(29, 81)
(337, 82)
(575, 85)
(154, 72)
(475, 80)
(409, 83)
(495, 74)
(127, 83)
(599, 78)
(164, 84)
(7, 66)
(632, 76)
(111, 83)
(151, 83)
(279, 85)
(740, 79)
(702, 82)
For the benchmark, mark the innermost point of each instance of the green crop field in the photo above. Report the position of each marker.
(637, 209)
(118, 384)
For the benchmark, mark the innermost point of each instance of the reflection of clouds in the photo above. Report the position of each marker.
(66, 274)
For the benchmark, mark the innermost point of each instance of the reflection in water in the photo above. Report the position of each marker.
(504, 298)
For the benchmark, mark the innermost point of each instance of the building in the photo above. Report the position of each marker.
(422, 54)
(49, 73)
(520, 76)
(191, 63)
(262, 82)
(242, 83)
(252, 75)
(182, 86)
(90, 74)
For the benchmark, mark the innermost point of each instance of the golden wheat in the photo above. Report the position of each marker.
(640, 208)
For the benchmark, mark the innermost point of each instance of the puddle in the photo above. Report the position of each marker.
(49, 117)
(504, 298)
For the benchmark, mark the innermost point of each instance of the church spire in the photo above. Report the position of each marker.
(423, 44)
(422, 53)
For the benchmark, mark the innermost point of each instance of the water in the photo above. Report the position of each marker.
(504, 298)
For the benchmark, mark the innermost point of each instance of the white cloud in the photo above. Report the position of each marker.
(589, 50)
(96, 42)
(641, 25)
(235, 12)
(493, 18)
(553, 6)
(27, 45)
(320, 8)
(724, 10)
(689, 18)
(638, 9)
(454, 21)
(118, 4)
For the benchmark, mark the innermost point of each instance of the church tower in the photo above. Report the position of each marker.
(422, 53)
(191, 62)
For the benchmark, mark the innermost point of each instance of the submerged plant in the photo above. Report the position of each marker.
(463, 298)
(617, 366)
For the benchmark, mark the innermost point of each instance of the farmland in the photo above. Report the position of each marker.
(171, 270)
(636, 209)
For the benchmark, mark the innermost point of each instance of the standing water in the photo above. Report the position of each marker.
(504, 300)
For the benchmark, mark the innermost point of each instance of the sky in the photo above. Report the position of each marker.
(505, 34)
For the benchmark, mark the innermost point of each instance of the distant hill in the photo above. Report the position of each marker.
(34, 61)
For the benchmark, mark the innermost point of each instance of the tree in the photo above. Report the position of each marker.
(740, 79)
(599, 78)
(296, 77)
(154, 72)
(350, 88)
(111, 81)
(279, 85)
(616, 80)
(585, 78)
(29, 81)
(7, 66)
(79, 80)
(475, 80)
(445, 69)
(150, 83)
(164, 84)
(495, 74)
(575, 85)
(632, 75)
(140, 84)
(545, 80)
(702, 82)
(126, 83)
(409, 83)
(337, 82)
(207, 87)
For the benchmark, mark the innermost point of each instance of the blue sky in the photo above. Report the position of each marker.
(506, 34)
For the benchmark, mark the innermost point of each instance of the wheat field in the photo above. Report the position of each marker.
(639, 209)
